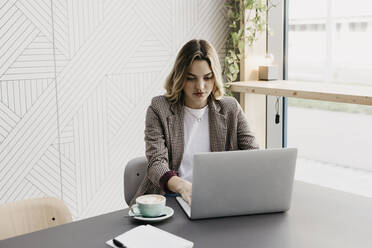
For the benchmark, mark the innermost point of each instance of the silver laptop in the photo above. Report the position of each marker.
(241, 182)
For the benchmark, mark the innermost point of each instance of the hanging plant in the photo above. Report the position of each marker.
(240, 34)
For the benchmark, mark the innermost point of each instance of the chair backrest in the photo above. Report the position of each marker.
(134, 173)
(31, 215)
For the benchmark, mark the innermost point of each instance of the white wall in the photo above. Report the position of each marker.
(76, 77)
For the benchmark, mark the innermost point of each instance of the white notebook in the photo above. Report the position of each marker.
(150, 236)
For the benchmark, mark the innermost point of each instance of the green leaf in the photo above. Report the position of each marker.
(233, 56)
(231, 68)
(235, 76)
(241, 46)
(236, 67)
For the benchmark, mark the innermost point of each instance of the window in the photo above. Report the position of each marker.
(329, 42)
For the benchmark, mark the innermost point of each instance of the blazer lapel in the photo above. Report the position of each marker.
(176, 135)
(217, 127)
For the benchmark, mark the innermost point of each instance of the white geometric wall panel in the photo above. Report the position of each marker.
(76, 78)
(29, 153)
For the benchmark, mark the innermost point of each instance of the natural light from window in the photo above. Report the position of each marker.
(329, 41)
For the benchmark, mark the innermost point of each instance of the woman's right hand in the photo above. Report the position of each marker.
(181, 186)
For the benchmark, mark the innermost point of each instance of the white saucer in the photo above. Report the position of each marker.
(168, 211)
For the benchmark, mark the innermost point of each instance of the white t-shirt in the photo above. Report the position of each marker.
(196, 138)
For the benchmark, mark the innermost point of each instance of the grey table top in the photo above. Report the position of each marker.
(319, 217)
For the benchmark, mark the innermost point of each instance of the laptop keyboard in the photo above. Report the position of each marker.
(186, 207)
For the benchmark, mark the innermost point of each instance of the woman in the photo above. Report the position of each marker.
(193, 116)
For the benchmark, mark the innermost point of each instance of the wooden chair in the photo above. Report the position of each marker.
(31, 215)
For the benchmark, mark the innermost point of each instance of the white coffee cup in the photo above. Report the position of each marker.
(152, 205)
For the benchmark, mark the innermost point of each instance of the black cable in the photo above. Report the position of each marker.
(277, 115)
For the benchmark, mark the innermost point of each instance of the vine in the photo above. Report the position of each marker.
(240, 34)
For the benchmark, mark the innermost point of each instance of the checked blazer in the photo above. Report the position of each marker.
(164, 130)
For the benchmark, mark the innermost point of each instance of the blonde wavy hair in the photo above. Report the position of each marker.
(191, 51)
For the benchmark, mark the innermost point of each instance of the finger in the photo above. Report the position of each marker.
(187, 199)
